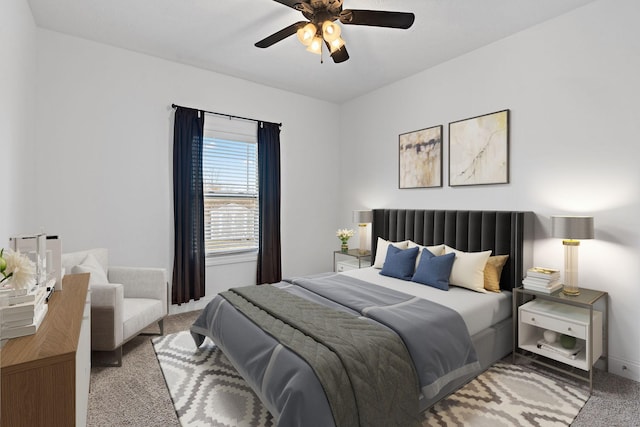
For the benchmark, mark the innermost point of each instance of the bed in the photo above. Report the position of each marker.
(361, 348)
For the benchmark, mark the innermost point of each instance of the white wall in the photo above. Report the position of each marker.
(17, 128)
(104, 132)
(572, 87)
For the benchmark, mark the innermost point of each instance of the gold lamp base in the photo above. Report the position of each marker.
(362, 234)
(570, 287)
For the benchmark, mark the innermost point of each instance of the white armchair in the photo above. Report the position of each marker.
(124, 300)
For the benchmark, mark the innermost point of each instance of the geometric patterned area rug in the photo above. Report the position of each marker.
(510, 395)
(205, 388)
(207, 391)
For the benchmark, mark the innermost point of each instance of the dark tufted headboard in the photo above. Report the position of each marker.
(504, 232)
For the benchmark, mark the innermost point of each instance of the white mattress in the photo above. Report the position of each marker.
(478, 310)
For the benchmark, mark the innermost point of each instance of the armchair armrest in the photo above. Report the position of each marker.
(107, 301)
(141, 282)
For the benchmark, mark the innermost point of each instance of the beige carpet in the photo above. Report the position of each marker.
(135, 394)
(206, 390)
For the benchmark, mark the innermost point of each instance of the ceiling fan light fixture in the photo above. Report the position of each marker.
(323, 25)
(336, 44)
(316, 45)
(330, 31)
(306, 34)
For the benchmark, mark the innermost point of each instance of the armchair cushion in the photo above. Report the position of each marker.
(71, 259)
(141, 282)
(140, 313)
(91, 265)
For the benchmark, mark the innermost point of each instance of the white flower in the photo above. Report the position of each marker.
(344, 234)
(20, 269)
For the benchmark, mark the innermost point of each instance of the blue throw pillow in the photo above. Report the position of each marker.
(434, 270)
(400, 263)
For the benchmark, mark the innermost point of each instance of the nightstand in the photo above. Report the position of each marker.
(583, 317)
(350, 260)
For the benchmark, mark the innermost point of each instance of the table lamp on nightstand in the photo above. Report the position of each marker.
(571, 229)
(362, 218)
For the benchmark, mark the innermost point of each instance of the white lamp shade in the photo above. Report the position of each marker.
(330, 31)
(336, 44)
(572, 227)
(316, 45)
(306, 34)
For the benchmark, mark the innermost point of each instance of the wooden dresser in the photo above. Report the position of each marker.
(45, 376)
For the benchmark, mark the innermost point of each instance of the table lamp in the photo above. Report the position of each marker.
(571, 229)
(362, 218)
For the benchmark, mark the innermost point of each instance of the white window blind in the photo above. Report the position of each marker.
(230, 185)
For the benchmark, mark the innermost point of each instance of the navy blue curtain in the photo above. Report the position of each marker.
(188, 206)
(269, 257)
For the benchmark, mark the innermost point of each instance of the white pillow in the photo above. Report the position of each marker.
(381, 250)
(91, 265)
(468, 269)
(437, 250)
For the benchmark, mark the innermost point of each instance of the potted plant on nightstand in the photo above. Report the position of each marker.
(344, 235)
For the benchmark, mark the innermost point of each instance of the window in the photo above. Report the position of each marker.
(230, 185)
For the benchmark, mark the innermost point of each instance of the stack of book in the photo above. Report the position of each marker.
(556, 347)
(22, 311)
(539, 279)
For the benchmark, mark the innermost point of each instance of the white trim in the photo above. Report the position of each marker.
(624, 368)
(231, 259)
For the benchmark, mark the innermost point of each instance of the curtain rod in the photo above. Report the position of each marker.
(231, 116)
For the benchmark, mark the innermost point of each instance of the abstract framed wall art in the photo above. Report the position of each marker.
(420, 155)
(479, 150)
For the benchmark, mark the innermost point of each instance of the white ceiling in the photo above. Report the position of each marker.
(219, 35)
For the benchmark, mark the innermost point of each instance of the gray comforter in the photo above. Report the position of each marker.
(435, 336)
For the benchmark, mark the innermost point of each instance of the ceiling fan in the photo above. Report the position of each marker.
(321, 28)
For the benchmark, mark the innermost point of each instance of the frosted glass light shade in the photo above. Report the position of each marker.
(570, 229)
(336, 44)
(330, 31)
(316, 45)
(306, 34)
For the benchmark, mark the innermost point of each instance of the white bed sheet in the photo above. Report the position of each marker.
(478, 310)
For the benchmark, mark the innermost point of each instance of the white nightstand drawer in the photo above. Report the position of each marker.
(347, 265)
(559, 325)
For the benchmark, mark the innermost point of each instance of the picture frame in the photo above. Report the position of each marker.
(420, 158)
(479, 150)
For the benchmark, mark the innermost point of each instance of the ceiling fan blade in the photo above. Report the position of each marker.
(289, 3)
(339, 55)
(281, 35)
(377, 18)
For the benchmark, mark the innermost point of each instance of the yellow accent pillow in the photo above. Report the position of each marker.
(493, 271)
